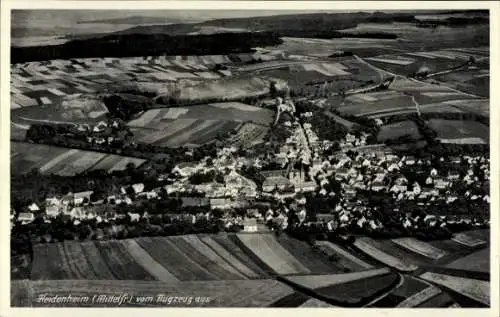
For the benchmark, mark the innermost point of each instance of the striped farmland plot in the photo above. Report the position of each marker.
(236, 293)
(63, 161)
(272, 254)
(477, 290)
(319, 281)
(420, 247)
(368, 246)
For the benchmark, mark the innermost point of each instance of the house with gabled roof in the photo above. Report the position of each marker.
(33, 207)
(26, 217)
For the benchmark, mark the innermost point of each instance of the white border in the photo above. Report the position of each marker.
(7, 5)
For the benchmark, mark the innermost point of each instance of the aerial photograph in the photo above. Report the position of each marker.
(250, 158)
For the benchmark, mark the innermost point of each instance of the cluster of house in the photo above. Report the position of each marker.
(80, 205)
(350, 141)
(96, 133)
(379, 172)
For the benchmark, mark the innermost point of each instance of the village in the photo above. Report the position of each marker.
(349, 177)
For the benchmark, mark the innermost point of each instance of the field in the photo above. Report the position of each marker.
(211, 261)
(325, 47)
(407, 63)
(377, 104)
(468, 240)
(368, 246)
(398, 129)
(272, 254)
(48, 83)
(477, 290)
(319, 281)
(454, 131)
(236, 293)
(80, 108)
(471, 80)
(346, 260)
(191, 258)
(358, 292)
(62, 161)
(408, 294)
(197, 125)
(408, 253)
(248, 134)
(224, 88)
(420, 247)
(477, 261)
(481, 106)
(346, 74)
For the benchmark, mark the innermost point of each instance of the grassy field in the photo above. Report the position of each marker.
(192, 257)
(197, 125)
(346, 261)
(472, 80)
(326, 47)
(420, 247)
(272, 254)
(377, 104)
(454, 131)
(475, 289)
(477, 261)
(62, 161)
(399, 297)
(227, 88)
(357, 291)
(48, 83)
(398, 129)
(481, 107)
(407, 253)
(237, 293)
(370, 247)
(320, 281)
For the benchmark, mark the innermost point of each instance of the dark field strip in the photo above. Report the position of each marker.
(483, 276)
(179, 132)
(43, 268)
(119, 261)
(462, 300)
(203, 261)
(305, 254)
(171, 258)
(410, 287)
(293, 300)
(361, 290)
(264, 267)
(440, 300)
(236, 251)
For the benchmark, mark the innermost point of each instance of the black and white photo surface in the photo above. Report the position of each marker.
(168, 158)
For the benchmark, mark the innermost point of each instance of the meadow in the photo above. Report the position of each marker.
(63, 161)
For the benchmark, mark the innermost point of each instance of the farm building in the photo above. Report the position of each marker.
(52, 211)
(33, 207)
(26, 217)
(78, 198)
(250, 225)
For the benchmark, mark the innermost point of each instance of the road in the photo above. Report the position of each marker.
(416, 105)
(42, 121)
